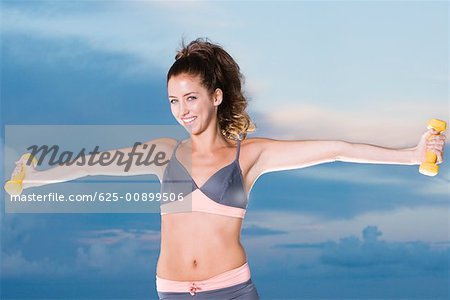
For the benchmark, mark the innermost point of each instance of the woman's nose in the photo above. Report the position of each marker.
(183, 108)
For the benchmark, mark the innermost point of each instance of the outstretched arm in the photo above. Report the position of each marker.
(277, 155)
(62, 173)
(363, 153)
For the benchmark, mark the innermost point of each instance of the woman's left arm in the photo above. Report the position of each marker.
(364, 153)
(276, 155)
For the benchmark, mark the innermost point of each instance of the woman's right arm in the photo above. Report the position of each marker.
(62, 173)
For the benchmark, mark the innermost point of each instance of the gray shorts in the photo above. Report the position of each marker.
(242, 291)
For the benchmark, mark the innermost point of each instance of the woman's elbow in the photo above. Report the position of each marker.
(340, 150)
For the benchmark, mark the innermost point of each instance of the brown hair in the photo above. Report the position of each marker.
(217, 69)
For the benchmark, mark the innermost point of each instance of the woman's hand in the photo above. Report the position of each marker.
(30, 170)
(430, 141)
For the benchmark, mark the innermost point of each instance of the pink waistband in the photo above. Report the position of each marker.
(229, 278)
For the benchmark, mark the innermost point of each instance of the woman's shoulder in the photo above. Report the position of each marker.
(163, 144)
(254, 145)
(256, 142)
(164, 141)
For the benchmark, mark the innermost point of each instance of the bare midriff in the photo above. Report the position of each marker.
(198, 246)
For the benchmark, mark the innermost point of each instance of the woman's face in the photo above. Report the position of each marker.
(191, 103)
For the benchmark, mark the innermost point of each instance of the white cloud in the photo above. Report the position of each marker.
(434, 186)
(351, 174)
(149, 238)
(397, 226)
(16, 231)
(16, 265)
(393, 126)
(110, 252)
(127, 257)
(117, 31)
(142, 30)
(394, 258)
(437, 186)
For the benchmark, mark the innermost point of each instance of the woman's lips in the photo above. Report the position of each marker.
(188, 121)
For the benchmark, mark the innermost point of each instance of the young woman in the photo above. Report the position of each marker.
(201, 255)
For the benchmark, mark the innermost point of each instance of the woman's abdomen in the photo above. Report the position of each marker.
(198, 246)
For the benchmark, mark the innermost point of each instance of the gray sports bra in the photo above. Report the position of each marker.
(224, 193)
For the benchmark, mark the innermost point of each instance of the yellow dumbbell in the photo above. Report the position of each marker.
(14, 186)
(429, 166)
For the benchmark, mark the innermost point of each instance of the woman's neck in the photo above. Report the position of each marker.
(208, 141)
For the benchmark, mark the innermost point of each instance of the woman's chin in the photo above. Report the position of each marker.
(190, 129)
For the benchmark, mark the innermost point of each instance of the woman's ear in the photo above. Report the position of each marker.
(218, 97)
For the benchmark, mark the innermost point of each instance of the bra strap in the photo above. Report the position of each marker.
(176, 147)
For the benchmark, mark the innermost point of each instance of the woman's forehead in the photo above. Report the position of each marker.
(184, 82)
(186, 76)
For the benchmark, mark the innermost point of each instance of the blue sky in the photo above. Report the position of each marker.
(362, 71)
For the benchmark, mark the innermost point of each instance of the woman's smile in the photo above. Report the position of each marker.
(188, 121)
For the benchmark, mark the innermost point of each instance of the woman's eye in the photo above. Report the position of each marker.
(172, 101)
